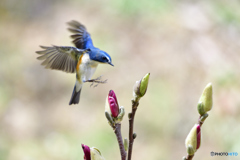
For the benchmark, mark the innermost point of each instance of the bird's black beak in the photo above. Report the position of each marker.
(110, 63)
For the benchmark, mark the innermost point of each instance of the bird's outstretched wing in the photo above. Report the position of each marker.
(81, 38)
(59, 58)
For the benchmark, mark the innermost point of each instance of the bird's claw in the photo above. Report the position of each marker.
(97, 80)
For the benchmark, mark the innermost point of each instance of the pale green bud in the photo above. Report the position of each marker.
(109, 118)
(125, 143)
(96, 154)
(203, 117)
(200, 108)
(120, 115)
(206, 98)
(193, 139)
(140, 87)
(190, 150)
(144, 84)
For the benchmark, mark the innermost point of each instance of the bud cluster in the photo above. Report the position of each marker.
(113, 112)
(193, 140)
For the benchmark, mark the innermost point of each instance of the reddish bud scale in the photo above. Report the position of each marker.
(112, 94)
(113, 103)
(198, 136)
(86, 150)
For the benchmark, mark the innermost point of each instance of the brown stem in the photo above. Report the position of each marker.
(131, 124)
(189, 157)
(200, 122)
(117, 131)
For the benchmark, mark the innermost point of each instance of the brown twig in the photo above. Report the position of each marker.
(118, 133)
(200, 122)
(131, 124)
(189, 157)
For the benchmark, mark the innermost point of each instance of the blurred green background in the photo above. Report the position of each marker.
(183, 44)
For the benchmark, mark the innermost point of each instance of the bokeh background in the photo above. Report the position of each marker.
(183, 44)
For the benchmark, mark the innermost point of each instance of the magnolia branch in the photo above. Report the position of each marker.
(117, 131)
(131, 124)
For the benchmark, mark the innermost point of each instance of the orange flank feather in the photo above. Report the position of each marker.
(77, 67)
(79, 62)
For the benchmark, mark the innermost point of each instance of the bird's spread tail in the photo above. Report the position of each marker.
(75, 96)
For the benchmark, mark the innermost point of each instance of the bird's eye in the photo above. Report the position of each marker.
(105, 58)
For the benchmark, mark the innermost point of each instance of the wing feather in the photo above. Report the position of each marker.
(80, 34)
(58, 58)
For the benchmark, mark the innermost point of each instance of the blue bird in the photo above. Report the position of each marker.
(82, 59)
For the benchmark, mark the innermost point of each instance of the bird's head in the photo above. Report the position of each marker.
(100, 56)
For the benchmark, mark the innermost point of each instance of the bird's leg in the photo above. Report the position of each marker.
(97, 80)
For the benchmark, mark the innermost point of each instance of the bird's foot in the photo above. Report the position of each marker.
(97, 80)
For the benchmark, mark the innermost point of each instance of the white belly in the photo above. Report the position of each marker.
(87, 68)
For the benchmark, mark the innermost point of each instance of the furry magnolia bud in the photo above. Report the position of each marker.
(120, 115)
(96, 154)
(125, 142)
(140, 87)
(193, 139)
(205, 102)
